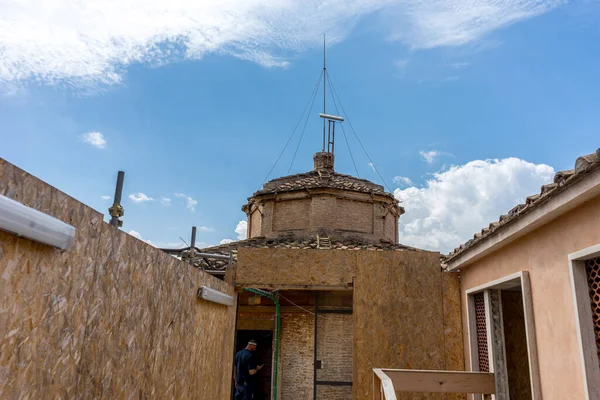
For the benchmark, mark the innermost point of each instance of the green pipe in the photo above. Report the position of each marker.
(277, 319)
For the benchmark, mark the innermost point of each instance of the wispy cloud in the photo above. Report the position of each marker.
(105, 197)
(430, 155)
(90, 43)
(190, 202)
(205, 229)
(372, 166)
(459, 65)
(166, 201)
(96, 139)
(140, 198)
(402, 180)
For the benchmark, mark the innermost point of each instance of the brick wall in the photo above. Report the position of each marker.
(291, 215)
(340, 214)
(354, 216)
(334, 349)
(297, 355)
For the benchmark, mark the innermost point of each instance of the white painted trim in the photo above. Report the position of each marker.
(492, 284)
(590, 370)
(580, 192)
(586, 254)
(501, 283)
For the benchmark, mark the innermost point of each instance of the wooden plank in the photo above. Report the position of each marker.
(386, 386)
(440, 381)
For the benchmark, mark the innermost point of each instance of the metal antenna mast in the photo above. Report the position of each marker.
(324, 88)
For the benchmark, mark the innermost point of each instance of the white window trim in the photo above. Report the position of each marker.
(522, 278)
(584, 320)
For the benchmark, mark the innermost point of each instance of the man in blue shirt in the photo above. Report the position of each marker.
(244, 368)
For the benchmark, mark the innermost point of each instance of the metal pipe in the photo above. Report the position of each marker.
(114, 221)
(215, 256)
(193, 237)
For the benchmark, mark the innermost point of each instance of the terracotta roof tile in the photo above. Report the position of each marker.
(313, 179)
(287, 243)
(562, 180)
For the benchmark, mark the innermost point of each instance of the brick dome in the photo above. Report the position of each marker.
(325, 203)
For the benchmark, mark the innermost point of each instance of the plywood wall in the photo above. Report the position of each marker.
(406, 315)
(112, 317)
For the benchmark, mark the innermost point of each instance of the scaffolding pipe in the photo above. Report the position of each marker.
(277, 320)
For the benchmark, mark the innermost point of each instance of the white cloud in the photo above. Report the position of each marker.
(138, 236)
(89, 43)
(96, 139)
(241, 229)
(205, 229)
(429, 156)
(105, 197)
(135, 234)
(226, 241)
(372, 166)
(166, 201)
(140, 198)
(402, 180)
(190, 202)
(462, 200)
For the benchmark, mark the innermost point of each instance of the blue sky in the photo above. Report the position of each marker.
(465, 107)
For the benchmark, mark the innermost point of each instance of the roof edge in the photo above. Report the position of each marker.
(541, 210)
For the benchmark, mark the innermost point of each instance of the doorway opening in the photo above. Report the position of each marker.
(502, 336)
(263, 356)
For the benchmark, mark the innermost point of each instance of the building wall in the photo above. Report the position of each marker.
(112, 317)
(297, 356)
(337, 213)
(406, 316)
(544, 253)
(406, 312)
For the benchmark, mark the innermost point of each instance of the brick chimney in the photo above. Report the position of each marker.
(323, 161)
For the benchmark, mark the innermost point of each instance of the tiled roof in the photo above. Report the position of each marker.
(562, 180)
(289, 243)
(323, 179)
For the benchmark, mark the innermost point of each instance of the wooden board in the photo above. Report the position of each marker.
(424, 381)
(112, 317)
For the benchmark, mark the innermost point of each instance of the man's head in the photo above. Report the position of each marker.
(251, 345)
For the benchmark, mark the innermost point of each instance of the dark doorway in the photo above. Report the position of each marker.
(263, 355)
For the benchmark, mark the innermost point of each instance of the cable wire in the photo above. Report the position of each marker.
(353, 131)
(293, 132)
(300, 307)
(305, 123)
(344, 132)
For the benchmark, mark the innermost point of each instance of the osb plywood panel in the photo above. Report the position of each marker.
(399, 318)
(112, 317)
(453, 340)
(44, 294)
(294, 267)
(515, 341)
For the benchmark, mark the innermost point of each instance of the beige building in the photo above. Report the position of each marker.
(530, 291)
